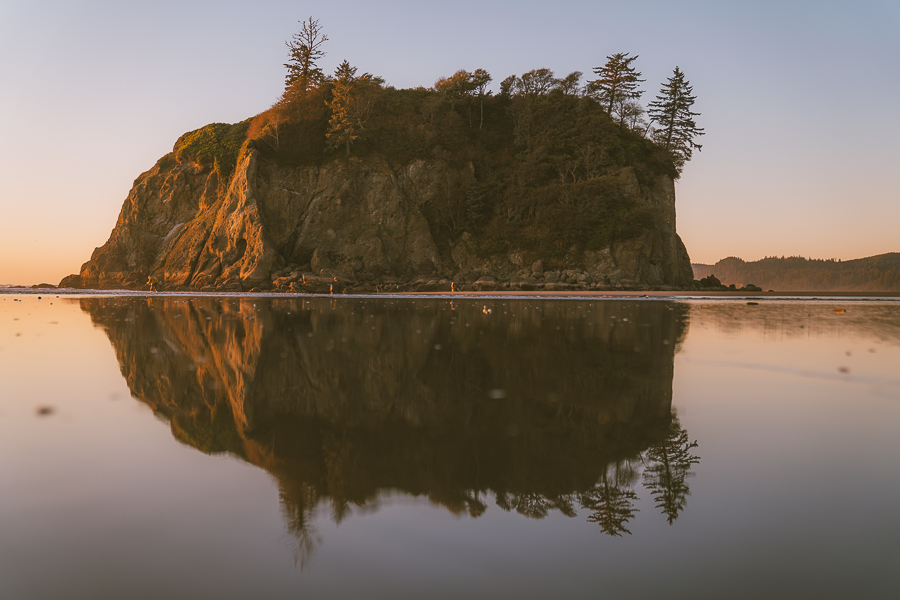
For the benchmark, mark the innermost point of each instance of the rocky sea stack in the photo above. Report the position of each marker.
(515, 191)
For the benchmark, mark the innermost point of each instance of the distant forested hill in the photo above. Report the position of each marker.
(797, 274)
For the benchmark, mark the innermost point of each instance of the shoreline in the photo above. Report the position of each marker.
(587, 294)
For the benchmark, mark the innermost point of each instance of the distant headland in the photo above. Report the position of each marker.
(879, 273)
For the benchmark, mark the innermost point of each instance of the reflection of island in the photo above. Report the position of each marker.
(545, 405)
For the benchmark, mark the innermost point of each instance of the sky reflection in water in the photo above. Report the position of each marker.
(397, 447)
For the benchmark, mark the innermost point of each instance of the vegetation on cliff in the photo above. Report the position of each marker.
(546, 151)
(216, 145)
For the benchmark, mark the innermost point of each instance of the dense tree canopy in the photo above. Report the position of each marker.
(464, 93)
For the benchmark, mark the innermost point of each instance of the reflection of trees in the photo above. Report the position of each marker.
(671, 465)
(340, 401)
(612, 506)
(474, 504)
(612, 498)
(534, 505)
(299, 517)
(338, 455)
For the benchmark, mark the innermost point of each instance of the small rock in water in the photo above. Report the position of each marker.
(45, 411)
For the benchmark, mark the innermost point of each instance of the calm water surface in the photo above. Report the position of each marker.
(175, 447)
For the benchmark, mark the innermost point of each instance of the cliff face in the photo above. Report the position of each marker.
(352, 224)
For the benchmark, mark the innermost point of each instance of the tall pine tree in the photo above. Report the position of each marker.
(351, 103)
(675, 126)
(304, 50)
(342, 127)
(616, 83)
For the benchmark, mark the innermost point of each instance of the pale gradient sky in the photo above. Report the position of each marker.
(797, 98)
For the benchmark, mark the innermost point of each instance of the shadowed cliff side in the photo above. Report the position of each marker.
(538, 404)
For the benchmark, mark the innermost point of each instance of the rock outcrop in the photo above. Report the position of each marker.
(350, 225)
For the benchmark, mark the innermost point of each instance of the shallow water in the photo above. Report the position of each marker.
(275, 447)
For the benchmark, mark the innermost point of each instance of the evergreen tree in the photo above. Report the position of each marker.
(304, 50)
(671, 111)
(342, 128)
(351, 103)
(616, 83)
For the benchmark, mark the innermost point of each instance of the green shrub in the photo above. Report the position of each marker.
(217, 144)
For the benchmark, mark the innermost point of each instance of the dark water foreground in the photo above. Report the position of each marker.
(428, 448)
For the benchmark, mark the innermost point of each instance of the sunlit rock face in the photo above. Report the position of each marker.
(364, 215)
(362, 222)
(534, 402)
